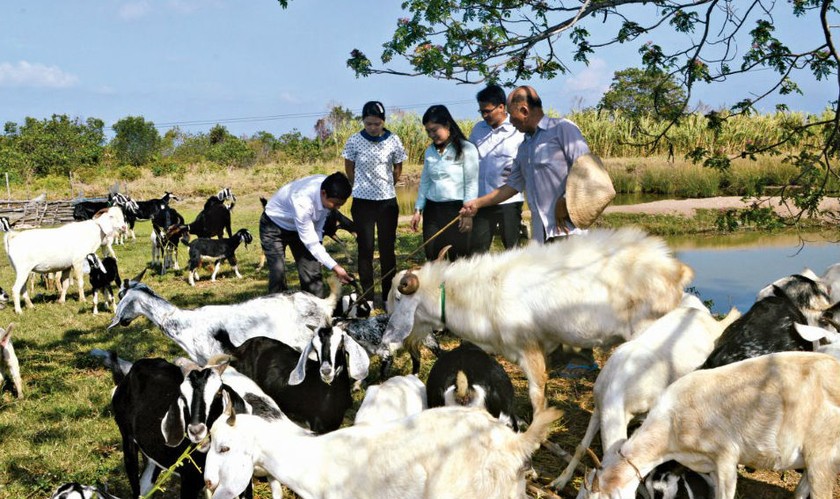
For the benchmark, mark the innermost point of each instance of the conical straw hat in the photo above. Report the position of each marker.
(588, 190)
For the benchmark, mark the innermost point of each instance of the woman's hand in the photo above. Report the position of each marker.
(415, 221)
(465, 224)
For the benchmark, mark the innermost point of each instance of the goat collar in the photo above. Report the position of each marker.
(636, 469)
(443, 303)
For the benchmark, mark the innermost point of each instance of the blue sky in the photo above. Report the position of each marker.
(249, 65)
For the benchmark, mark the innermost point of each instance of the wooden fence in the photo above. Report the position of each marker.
(39, 211)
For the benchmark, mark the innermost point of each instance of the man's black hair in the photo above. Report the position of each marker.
(337, 186)
(492, 94)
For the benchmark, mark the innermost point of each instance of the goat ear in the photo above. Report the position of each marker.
(299, 374)
(358, 360)
(173, 427)
(186, 365)
(228, 410)
(139, 277)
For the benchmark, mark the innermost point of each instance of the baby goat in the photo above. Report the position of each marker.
(103, 273)
(468, 376)
(216, 250)
(9, 361)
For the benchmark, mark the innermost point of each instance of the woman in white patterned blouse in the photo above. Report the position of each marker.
(373, 161)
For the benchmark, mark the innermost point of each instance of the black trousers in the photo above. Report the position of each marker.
(376, 220)
(435, 217)
(274, 242)
(504, 217)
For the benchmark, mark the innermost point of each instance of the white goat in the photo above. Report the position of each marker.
(831, 278)
(56, 249)
(638, 372)
(591, 290)
(443, 453)
(9, 361)
(120, 227)
(284, 317)
(778, 411)
(396, 398)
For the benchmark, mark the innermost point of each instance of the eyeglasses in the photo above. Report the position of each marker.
(485, 112)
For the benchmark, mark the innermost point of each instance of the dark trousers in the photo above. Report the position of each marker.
(504, 217)
(435, 217)
(274, 242)
(376, 220)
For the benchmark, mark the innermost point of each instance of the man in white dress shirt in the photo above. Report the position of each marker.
(294, 217)
(497, 141)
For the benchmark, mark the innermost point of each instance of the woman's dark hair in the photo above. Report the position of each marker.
(373, 108)
(337, 186)
(439, 115)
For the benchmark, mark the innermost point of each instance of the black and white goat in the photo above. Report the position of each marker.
(214, 219)
(104, 273)
(140, 401)
(286, 317)
(167, 229)
(769, 325)
(9, 361)
(200, 404)
(294, 381)
(469, 377)
(75, 490)
(369, 331)
(217, 251)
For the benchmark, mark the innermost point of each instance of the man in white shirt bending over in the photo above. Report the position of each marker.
(497, 141)
(294, 217)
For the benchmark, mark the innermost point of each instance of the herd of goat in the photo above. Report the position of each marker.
(265, 384)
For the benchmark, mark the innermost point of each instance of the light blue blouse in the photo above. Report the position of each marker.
(446, 179)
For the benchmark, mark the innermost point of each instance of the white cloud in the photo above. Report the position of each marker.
(134, 10)
(593, 78)
(26, 74)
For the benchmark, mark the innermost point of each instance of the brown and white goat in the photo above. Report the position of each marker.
(778, 411)
(9, 361)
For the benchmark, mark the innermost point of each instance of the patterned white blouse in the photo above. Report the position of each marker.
(374, 165)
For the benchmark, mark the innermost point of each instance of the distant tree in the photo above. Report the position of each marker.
(707, 42)
(136, 141)
(56, 145)
(228, 150)
(637, 93)
(325, 127)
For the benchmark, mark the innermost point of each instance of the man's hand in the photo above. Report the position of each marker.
(470, 208)
(465, 224)
(561, 215)
(342, 274)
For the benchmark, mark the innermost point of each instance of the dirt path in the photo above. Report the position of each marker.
(687, 207)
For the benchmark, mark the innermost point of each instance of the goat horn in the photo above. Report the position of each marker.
(593, 457)
(408, 284)
(442, 254)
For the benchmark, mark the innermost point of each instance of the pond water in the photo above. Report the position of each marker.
(731, 269)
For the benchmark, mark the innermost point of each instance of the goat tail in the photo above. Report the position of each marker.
(591, 431)
(537, 433)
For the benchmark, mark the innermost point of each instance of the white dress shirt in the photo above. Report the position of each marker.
(497, 149)
(297, 207)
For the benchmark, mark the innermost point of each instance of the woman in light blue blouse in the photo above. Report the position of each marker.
(449, 177)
